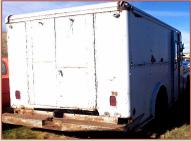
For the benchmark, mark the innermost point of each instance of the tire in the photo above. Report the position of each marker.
(188, 86)
(161, 108)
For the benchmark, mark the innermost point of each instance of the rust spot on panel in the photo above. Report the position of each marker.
(113, 93)
(22, 110)
(123, 5)
(119, 5)
(101, 119)
(30, 111)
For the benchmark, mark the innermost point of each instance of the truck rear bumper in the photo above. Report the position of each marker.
(70, 122)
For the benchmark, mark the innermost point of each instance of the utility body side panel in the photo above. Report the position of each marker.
(151, 64)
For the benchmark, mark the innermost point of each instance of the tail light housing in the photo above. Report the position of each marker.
(17, 94)
(113, 101)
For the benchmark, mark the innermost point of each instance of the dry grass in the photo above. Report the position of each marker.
(182, 132)
(20, 132)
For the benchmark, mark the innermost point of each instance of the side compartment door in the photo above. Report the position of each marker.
(41, 62)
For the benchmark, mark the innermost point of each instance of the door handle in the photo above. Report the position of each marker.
(153, 59)
(60, 72)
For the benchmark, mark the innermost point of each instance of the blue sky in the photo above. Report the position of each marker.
(175, 14)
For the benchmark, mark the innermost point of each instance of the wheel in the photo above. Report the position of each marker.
(188, 86)
(161, 108)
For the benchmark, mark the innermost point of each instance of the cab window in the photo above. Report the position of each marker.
(3, 68)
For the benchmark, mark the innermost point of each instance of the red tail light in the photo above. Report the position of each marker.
(113, 101)
(17, 94)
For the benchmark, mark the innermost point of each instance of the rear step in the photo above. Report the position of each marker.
(70, 122)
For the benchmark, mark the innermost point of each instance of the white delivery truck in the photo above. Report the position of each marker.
(108, 66)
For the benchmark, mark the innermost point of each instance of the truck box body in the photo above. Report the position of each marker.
(109, 58)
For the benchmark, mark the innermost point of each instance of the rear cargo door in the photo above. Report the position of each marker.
(41, 62)
(17, 63)
(75, 62)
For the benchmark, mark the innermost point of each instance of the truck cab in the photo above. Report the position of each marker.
(5, 83)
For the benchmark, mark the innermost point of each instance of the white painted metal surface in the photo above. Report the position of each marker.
(78, 58)
(148, 39)
(17, 63)
(43, 73)
(112, 63)
(75, 64)
(89, 9)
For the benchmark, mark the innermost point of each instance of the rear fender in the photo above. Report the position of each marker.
(154, 97)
